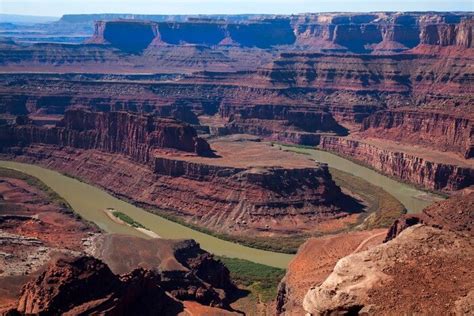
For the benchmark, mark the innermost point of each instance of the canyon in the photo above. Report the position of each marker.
(185, 117)
(47, 256)
(239, 185)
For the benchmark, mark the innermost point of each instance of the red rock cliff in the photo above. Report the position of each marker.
(431, 175)
(130, 134)
(443, 131)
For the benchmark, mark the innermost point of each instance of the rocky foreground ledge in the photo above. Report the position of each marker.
(426, 266)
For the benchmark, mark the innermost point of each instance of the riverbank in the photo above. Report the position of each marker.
(116, 217)
(414, 199)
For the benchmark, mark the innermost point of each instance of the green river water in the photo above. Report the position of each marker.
(90, 201)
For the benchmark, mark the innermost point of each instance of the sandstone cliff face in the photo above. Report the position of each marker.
(421, 263)
(432, 175)
(442, 131)
(130, 134)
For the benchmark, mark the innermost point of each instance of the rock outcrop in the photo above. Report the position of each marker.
(85, 285)
(186, 271)
(315, 261)
(425, 267)
(404, 166)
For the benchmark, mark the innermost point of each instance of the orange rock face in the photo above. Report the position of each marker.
(314, 262)
(426, 267)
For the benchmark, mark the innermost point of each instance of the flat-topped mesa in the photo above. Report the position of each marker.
(128, 35)
(134, 36)
(439, 130)
(352, 32)
(248, 186)
(134, 135)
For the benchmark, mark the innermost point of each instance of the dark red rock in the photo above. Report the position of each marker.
(407, 167)
(86, 285)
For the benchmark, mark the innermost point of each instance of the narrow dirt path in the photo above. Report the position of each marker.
(365, 241)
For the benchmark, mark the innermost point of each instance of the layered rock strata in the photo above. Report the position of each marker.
(358, 33)
(442, 176)
(118, 132)
(443, 131)
(246, 186)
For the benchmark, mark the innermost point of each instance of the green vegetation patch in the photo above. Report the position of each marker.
(127, 219)
(261, 280)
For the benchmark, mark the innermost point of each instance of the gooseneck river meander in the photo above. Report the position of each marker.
(90, 201)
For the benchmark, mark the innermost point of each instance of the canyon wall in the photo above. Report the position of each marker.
(133, 135)
(413, 169)
(443, 131)
(357, 33)
(445, 34)
(162, 164)
(134, 36)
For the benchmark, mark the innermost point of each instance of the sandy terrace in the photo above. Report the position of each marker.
(428, 154)
(240, 151)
